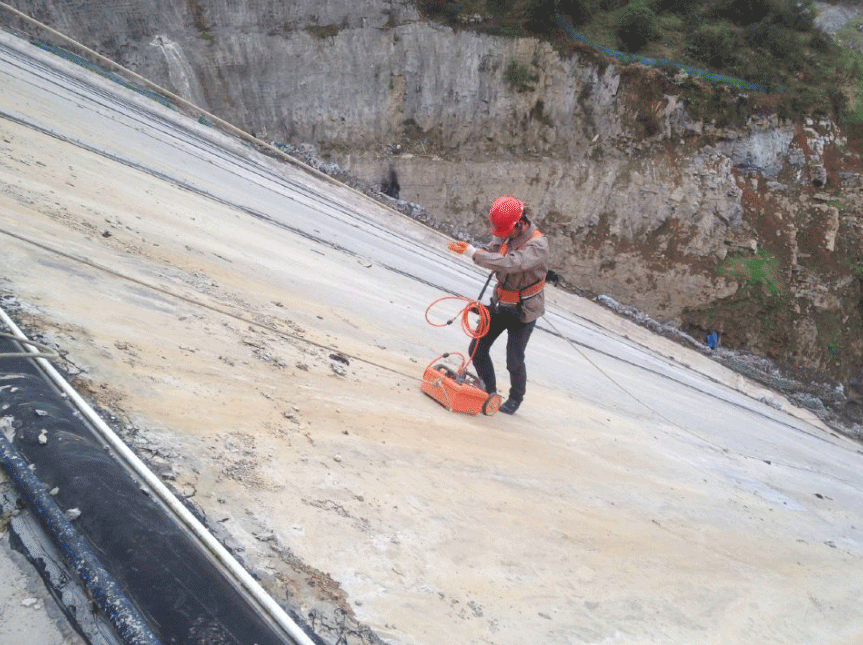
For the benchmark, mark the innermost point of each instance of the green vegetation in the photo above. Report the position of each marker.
(636, 26)
(773, 43)
(759, 276)
(853, 62)
(519, 78)
(761, 270)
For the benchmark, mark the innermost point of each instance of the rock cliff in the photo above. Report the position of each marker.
(651, 185)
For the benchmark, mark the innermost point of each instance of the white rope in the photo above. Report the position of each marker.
(196, 110)
(47, 352)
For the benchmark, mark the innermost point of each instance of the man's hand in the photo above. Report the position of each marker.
(464, 248)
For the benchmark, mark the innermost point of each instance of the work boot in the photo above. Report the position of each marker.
(509, 406)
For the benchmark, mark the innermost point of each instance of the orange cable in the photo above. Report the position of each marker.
(473, 331)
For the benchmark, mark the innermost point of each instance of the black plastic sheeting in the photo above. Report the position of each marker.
(159, 567)
(101, 587)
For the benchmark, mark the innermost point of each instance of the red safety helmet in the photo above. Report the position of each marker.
(504, 213)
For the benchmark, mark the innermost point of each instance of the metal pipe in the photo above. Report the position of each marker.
(242, 577)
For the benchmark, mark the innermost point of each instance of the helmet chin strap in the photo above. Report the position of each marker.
(516, 230)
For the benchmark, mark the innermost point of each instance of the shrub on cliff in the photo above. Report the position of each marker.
(742, 12)
(540, 16)
(680, 7)
(579, 11)
(635, 26)
(714, 46)
(795, 14)
(449, 10)
(519, 78)
(776, 40)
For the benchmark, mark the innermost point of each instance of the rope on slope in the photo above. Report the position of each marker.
(47, 352)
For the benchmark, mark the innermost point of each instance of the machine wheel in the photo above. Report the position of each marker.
(492, 404)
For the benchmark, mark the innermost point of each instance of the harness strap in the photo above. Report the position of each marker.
(507, 297)
(504, 248)
(513, 297)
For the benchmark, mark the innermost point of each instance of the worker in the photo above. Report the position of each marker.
(518, 256)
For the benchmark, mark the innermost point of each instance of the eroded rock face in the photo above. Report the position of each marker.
(641, 199)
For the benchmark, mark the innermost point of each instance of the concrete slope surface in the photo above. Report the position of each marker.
(257, 334)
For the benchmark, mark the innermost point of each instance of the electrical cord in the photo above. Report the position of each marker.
(473, 331)
(472, 307)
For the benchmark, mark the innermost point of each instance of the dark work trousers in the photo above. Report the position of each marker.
(518, 333)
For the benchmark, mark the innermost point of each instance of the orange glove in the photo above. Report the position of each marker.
(458, 247)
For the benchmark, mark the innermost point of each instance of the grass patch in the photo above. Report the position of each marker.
(758, 305)
(853, 65)
(761, 270)
(601, 29)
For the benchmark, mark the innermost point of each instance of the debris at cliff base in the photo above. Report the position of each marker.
(307, 154)
(841, 411)
(663, 329)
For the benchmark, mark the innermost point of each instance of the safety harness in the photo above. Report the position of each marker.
(515, 297)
